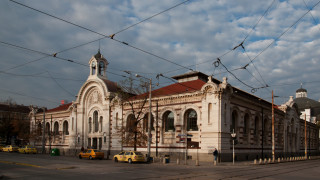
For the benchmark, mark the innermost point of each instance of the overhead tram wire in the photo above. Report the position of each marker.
(151, 17)
(316, 4)
(72, 95)
(311, 14)
(48, 55)
(106, 36)
(232, 49)
(20, 94)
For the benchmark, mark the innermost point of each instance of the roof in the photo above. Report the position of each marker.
(177, 88)
(62, 107)
(301, 90)
(306, 103)
(98, 55)
(112, 86)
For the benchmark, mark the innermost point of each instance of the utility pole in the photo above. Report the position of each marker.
(157, 130)
(273, 148)
(43, 131)
(262, 127)
(305, 136)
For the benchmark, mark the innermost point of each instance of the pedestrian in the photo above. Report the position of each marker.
(82, 149)
(215, 154)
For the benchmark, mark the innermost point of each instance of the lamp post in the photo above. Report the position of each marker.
(273, 142)
(149, 117)
(233, 135)
(43, 131)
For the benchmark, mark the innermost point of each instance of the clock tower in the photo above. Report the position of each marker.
(98, 66)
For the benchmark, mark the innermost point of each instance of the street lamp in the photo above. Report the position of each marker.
(233, 135)
(149, 117)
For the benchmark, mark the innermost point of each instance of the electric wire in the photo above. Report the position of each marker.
(284, 32)
(108, 37)
(72, 95)
(21, 94)
(151, 17)
(311, 14)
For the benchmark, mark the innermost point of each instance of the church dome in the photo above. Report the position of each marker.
(301, 90)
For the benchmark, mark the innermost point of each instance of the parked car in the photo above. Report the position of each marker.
(91, 154)
(27, 149)
(129, 156)
(10, 148)
(1, 147)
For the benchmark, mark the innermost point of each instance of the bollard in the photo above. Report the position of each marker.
(265, 160)
(260, 161)
(279, 160)
(164, 160)
(269, 160)
(214, 163)
(197, 162)
(178, 161)
(254, 161)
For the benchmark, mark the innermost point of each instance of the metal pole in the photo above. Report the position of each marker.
(149, 121)
(157, 130)
(43, 131)
(233, 152)
(50, 133)
(305, 136)
(186, 146)
(262, 134)
(273, 148)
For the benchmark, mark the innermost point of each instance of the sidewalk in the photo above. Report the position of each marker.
(202, 163)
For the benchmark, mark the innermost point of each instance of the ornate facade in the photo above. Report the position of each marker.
(198, 105)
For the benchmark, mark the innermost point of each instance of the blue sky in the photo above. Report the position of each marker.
(198, 31)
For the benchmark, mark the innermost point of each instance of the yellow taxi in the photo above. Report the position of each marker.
(10, 148)
(28, 149)
(91, 154)
(129, 156)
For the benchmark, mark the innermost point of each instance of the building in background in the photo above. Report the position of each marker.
(206, 109)
(309, 108)
(14, 124)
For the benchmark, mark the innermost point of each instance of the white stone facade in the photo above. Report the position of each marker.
(208, 111)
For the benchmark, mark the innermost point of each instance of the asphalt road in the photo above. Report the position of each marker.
(29, 166)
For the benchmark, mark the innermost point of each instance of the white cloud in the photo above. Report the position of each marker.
(197, 31)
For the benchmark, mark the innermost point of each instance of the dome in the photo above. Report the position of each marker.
(301, 90)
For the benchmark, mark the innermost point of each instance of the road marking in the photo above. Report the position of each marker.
(21, 164)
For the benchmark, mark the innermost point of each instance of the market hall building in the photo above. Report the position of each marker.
(198, 105)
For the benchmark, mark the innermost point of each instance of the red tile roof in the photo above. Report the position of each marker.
(177, 88)
(62, 107)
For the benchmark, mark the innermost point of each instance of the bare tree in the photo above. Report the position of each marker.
(132, 131)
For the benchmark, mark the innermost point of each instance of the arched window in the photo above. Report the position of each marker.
(168, 119)
(234, 121)
(246, 124)
(130, 123)
(95, 121)
(191, 119)
(101, 68)
(101, 120)
(56, 128)
(90, 125)
(117, 119)
(39, 129)
(93, 68)
(209, 112)
(145, 122)
(256, 125)
(48, 129)
(65, 128)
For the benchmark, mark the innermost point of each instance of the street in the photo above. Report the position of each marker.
(39, 166)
